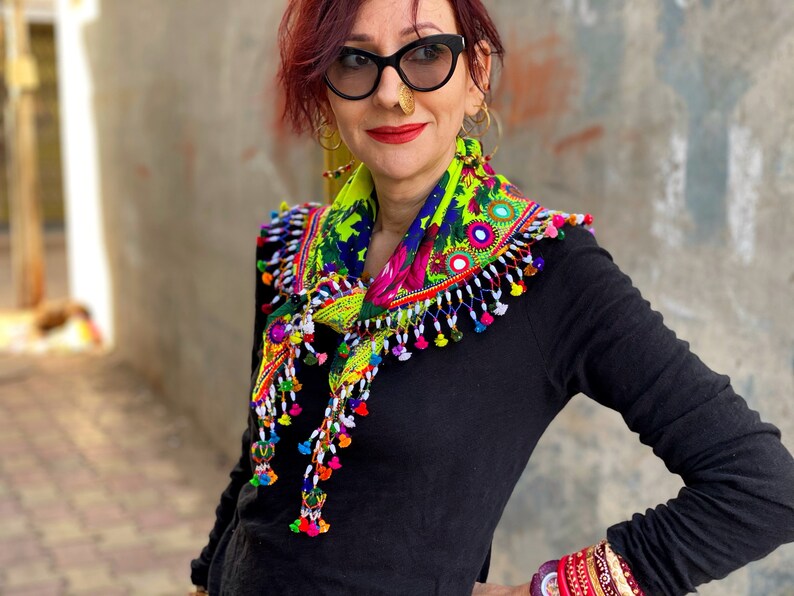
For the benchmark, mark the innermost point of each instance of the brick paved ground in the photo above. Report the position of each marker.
(99, 490)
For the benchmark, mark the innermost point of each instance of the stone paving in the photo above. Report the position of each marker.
(102, 489)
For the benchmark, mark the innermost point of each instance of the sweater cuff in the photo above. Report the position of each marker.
(594, 570)
(199, 571)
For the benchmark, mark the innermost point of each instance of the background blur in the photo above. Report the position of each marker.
(159, 151)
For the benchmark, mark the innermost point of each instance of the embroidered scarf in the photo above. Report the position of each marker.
(469, 243)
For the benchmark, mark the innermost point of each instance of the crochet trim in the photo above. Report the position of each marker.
(483, 252)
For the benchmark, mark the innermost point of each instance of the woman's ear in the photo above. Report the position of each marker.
(327, 112)
(474, 95)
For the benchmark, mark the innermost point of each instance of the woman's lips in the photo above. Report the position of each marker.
(396, 135)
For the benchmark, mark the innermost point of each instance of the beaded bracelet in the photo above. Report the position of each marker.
(594, 571)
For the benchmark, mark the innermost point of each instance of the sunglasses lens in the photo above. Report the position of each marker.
(427, 66)
(353, 74)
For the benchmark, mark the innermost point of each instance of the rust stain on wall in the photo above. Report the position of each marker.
(248, 154)
(538, 80)
(580, 139)
(189, 152)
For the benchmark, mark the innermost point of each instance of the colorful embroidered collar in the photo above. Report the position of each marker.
(472, 236)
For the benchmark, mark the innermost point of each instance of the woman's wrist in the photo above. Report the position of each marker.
(199, 591)
(594, 570)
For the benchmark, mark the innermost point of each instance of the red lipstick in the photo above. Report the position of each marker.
(396, 135)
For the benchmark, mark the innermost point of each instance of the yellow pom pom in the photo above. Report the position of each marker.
(285, 420)
(516, 290)
(284, 206)
(441, 341)
(296, 338)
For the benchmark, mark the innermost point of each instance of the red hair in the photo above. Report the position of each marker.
(312, 31)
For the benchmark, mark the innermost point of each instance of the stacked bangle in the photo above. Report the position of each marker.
(594, 571)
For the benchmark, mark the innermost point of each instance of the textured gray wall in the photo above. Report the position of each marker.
(190, 166)
(670, 120)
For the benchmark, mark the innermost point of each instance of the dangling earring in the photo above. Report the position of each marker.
(326, 133)
(483, 116)
(340, 170)
(323, 134)
(481, 121)
(406, 98)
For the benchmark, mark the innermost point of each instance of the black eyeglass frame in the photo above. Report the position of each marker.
(455, 43)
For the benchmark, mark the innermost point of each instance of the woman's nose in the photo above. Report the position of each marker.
(387, 94)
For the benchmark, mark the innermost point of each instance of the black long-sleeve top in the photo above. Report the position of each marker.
(430, 470)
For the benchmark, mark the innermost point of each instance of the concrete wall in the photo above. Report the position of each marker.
(670, 120)
(188, 167)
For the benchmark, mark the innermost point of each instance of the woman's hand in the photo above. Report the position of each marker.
(497, 590)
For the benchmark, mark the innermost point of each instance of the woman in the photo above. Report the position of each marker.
(481, 314)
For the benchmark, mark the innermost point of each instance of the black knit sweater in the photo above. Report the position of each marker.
(429, 471)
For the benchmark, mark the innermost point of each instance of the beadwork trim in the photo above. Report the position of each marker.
(309, 292)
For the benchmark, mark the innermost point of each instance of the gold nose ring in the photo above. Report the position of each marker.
(406, 97)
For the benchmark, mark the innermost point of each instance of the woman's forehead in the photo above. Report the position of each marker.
(382, 20)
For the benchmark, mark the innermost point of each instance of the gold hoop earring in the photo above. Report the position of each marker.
(325, 133)
(496, 119)
(484, 117)
(480, 118)
(476, 122)
(406, 99)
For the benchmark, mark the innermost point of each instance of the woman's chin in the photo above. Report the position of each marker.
(398, 165)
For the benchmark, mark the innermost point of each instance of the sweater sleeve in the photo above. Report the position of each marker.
(601, 338)
(242, 471)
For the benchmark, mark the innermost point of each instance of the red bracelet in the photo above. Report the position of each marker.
(562, 583)
(592, 572)
(601, 570)
(630, 577)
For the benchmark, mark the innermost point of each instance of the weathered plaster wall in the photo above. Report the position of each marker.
(670, 120)
(184, 101)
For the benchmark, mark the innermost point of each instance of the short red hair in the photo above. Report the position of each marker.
(312, 31)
